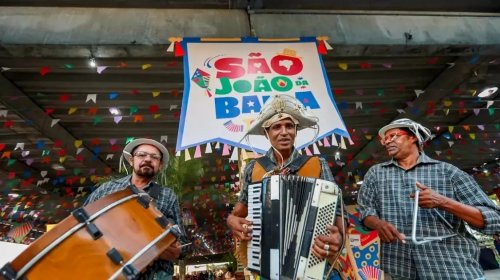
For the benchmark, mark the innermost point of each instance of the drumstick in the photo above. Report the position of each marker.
(184, 245)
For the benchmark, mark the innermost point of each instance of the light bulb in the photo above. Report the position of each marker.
(92, 62)
(488, 92)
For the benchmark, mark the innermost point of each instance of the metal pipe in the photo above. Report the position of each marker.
(369, 12)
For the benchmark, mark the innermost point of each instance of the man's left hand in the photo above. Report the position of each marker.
(428, 198)
(327, 246)
(172, 253)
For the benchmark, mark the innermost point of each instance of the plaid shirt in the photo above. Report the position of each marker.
(385, 194)
(326, 173)
(166, 203)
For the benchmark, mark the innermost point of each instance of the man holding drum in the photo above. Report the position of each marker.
(279, 121)
(147, 157)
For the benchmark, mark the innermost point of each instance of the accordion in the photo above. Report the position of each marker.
(288, 212)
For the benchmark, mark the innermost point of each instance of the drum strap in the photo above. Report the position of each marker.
(303, 166)
(154, 191)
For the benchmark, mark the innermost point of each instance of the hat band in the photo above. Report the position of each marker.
(278, 117)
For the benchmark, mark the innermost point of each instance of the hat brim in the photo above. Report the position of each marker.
(305, 119)
(127, 151)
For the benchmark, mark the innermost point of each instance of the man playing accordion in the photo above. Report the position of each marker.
(280, 119)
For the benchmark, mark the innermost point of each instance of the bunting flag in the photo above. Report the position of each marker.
(228, 82)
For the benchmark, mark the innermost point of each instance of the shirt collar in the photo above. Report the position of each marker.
(422, 159)
(128, 180)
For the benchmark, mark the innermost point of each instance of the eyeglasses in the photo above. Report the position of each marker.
(143, 155)
(392, 137)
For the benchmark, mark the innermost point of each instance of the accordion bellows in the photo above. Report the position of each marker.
(288, 212)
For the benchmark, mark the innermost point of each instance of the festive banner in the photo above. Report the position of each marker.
(227, 83)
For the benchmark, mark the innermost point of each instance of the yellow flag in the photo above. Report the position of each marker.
(72, 110)
(146, 66)
(343, 66)
(447, 103)
(78, 143)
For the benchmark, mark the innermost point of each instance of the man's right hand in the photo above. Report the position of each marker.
(241, 227)
(388, 232)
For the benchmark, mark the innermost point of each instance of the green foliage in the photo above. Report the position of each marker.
(181, 173)
(232, 265)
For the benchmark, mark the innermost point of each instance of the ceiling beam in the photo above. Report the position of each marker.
(80, 26)
(24, 107)
(450, 78)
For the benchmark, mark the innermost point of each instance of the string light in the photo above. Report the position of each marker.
(114, 111)
(92, 62)
(488, 92)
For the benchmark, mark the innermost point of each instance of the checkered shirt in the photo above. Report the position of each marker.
(385, 194)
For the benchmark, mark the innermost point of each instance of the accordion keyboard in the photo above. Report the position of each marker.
(255, 216)
(288, 212)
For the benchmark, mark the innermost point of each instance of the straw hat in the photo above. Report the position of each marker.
(281, 107)
(422, 133)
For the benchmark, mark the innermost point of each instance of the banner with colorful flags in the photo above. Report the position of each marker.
(226, 83)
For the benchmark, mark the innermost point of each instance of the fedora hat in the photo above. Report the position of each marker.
(127, 151)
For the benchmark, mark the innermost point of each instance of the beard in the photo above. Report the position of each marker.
(146, 171)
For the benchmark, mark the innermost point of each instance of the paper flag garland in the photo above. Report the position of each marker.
(101, 69)
(334, 141)
(91, 97)
(234, 155)
(197, 152)
(208, 149)
(44, 70)
(315, 149)
(225, 150)
(54, 122)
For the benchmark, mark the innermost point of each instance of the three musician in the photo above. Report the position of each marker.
(385, 198)
(280, 120)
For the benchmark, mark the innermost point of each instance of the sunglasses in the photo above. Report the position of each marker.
(392, 137)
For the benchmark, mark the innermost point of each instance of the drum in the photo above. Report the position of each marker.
(114, 237)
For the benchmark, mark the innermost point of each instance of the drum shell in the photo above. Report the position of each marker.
(127, 227)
